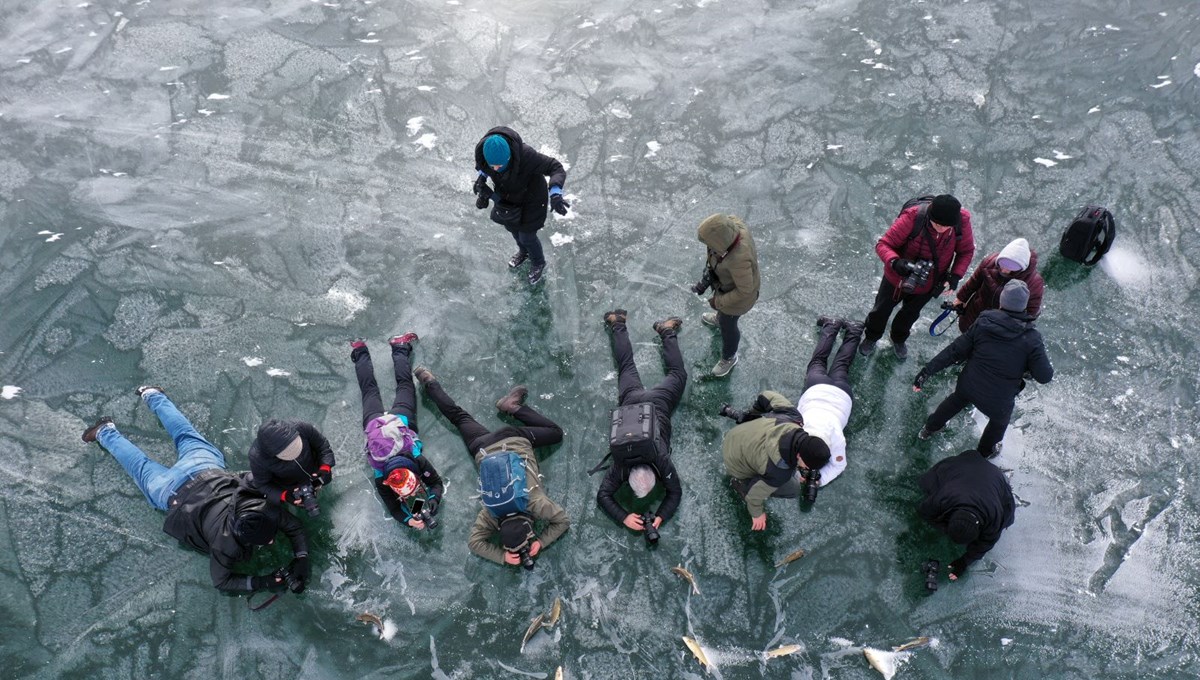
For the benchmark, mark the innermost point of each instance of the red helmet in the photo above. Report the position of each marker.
(402, 481)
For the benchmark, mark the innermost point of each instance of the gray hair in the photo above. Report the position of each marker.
(642, 480)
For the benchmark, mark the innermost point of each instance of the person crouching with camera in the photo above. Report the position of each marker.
(768, 453)
(926, 251)
(291, 461)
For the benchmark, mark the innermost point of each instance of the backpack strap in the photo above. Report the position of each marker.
(601, 466)
(1110, 234)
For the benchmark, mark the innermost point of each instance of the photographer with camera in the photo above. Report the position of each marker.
(731, 272)
(969, 500)
(926, 251)
(209, 509)
(405, 479)
(510, 483)
(769, 453)
(291, 461)
(640, 439)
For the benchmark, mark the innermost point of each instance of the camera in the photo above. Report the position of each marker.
(648, 528)
(811, 480)
(427, 518)
(705, 282)
(732, 413)
(420, 509)
(930, 569)
(308, 498)
(285, 577)
(949, 304)
(526, 558)
(917, 276)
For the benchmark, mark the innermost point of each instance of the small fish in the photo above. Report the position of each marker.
(687, 576)
(699, 652)
(884, 662)
(369, 618)
(912, 644)
(785, 650)
(533, 628)
(558, 674)
(790, 558)
(555, 613)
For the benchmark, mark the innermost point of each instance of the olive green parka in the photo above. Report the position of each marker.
(734, 261)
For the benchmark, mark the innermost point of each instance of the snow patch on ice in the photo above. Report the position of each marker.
(277, 372)
(557, 239)
(217, 96)
(425, 88)
(1162, 84)
(1045, 161)
(1060, 156)
(1004, 642)
(833, 147)
(53, 238)
(1094, 109)
(353, 300)
(1196, 70)
(9, 391)
(414, 125)
(427, 140)
(389, 630)
(1126, 267)
(252, 361)
(654, 146)
(620, 111)
(980, 99)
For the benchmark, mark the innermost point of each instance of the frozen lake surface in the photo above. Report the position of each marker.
(215, 196)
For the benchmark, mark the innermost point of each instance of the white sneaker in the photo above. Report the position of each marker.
(709, 319)
(724, 366)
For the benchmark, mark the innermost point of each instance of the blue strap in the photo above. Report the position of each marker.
(941, 317)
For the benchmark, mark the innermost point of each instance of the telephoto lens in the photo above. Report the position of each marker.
(648, 528)
(526, 559)
(930, 568)
(427, 518)
(731, 413)
(812, 484)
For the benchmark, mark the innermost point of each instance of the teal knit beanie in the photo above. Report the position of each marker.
(496, 150)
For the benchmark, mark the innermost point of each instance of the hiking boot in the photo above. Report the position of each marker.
(535, 273)
(823, 321)
(511, 402)
(358, 343)
(866, 347)
(616, 316)
(724, 366)
(407, 339)
(671, 324)
(709, 319)
(518, 259)
(89, 435)
(424, 375)
(146, 390)
(995, 450)
(901, 350)
(926, 433)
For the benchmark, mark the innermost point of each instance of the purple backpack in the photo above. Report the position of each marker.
(388, 436)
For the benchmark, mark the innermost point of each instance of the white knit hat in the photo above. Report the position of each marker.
(1015, 256)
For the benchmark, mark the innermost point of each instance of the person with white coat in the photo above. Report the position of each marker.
(827, 399)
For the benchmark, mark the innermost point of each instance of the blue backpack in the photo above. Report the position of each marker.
(503, 488)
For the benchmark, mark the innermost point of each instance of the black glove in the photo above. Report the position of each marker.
(432, 505)
(902, 266)
(481, 185)
(484, 197)
(276, 581)
(322, 476)
(558, 204)
(952, 281)
(300, 568)
(959, 566)
(919, 381)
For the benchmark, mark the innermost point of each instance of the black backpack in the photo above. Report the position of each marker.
(633, 438)
(1090, 235)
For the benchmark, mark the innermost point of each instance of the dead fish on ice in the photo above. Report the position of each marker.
(555, 613)
(558, 674)
(371, 619)
(687, 576)
(698, 652)
(887, 663)
(786, 650)
(912, 644)
(533, 628)
(790, 558)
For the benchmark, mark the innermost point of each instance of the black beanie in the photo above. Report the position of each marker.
(275, 435)
(812, 450)
(514, 532)
(962, 526)
(945, 210)
(255, 527)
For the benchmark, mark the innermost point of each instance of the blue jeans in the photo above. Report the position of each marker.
(157, 481)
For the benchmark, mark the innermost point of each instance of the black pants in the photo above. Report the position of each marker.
(665, 395)
(731, 337)
(993, 433)
(405, 403)
(528, 242)
(838, 374)
(885, 301)
(537, 428)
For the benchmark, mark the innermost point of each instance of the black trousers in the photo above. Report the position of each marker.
(885, 301)
(993, 433)
(838, 374)
(538, 429)
(405, 403)
(666, 394)
(731, 337)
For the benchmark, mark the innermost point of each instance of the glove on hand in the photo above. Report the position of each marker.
(957, 567)
(484, 197)
(432, 506)
(300, 569)
(323, 476)
(481, 185)
(276, 581)
(558, 204)
(952, 281)
(902, 266)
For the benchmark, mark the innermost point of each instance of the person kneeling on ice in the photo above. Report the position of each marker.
(209, 509)
(970, 500)
(510, 485)
(770, 454)
(405, 480)
(640, 439)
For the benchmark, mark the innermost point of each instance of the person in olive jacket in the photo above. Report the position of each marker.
(766, 449)
(970, 500)
(285, 456)
(731, 270)
(519, 174)
(998, 350)
(981, 291)
(516, 533)
(209, 509)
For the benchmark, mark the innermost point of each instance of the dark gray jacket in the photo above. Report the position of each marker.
(272, 476)
(971, 482)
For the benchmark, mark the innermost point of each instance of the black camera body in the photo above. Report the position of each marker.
(917, 276)
(427, 518)
(286, 577)
(648, 528)
(526, 558)
(811, 481)
(308, 498)
(732, 413)
(930, 570)
(705, 282)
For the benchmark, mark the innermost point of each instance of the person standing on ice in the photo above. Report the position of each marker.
(731, 271)
(981, 291)
(518, 173)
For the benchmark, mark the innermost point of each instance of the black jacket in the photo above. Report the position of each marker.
(434, 489)
(968, 481)
(201, 517)
(664, 470)
(998, 350)
(523, 182)
(272, 476)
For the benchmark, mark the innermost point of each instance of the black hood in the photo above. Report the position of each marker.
(275, 435)
(1004, 324)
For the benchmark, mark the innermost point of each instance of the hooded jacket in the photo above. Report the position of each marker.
(950, 254)
(201, 516)
(487, 527)
(968, 481)
(734, 261)
(273, 477)
(523, 181)
(982, 291)
(419, 466)
(826, 410)
(998, 350)
(762, 451)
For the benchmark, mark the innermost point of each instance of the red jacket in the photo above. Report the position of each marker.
(983, 289)
(953, 255)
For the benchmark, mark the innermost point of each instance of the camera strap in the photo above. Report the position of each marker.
(264, 605)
